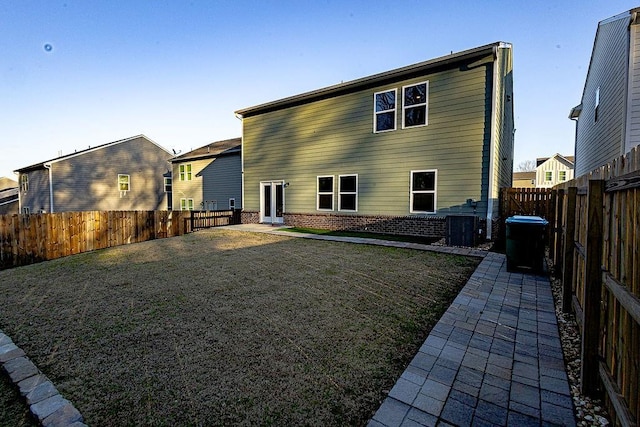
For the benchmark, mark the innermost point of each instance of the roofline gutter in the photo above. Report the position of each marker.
(48, 166)
(370, 81)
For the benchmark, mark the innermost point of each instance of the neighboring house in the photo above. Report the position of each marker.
(6, 183)
(209, 177)
(422, 141)
(524, 180)
(554, 170)
(8, 196)
(608, 117)
(120, 175)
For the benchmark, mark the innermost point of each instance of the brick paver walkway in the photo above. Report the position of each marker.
(493, 359)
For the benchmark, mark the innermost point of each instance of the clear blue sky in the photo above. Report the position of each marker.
(82, 73)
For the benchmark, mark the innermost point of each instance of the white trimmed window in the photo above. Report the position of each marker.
(168, 185)
(562, 176)
(24, 183)
(348, 193)
(414, 105)
(385, 111)
(232, 203)
(185, 172)
(423, 191)
(124, 182)
(325, 193)
(548, 176)
(186, 204)
(26, 210)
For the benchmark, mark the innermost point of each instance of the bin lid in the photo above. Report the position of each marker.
(526, 219)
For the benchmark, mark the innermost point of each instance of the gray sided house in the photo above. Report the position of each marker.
(394, 152)
(608, 116)
(120, 175)
(209, 177)
(8, 196)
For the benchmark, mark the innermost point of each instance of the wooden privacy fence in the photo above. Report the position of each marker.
(527, 201)
(208, 219)
(26, 239)
(598, 257)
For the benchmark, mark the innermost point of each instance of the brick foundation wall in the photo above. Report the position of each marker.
(248, 217)
(400, 225)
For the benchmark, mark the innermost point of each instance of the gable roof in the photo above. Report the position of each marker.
(524, 175)
(418, 69)
(568, 160)
(41, 165)
(211, 150)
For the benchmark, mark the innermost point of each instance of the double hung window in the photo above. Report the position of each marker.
(348, 193)
(168, 184)
(186, 204)
(325, 193)
(414, 105)
(185, 172)
(423, 191)
(123, 182)
(385, 111)
(24, 183)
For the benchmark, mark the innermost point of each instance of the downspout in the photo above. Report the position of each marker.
(492, 147)
(48, 166)
(19, 192)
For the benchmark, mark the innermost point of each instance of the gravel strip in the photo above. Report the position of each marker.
(589, 412)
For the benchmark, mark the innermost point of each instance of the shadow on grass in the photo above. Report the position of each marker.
(224, 327)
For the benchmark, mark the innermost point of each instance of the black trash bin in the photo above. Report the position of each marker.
(525, 243)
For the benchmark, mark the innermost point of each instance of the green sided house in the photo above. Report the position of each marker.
(395, 152)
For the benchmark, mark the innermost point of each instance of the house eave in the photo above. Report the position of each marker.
(374, 80)
(205, 156)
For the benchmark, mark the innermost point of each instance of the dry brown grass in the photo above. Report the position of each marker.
(223, 327)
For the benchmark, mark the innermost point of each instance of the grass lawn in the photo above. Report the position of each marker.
(224, 327)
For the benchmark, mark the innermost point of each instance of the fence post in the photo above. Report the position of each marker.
(551, 209)
(557, 233)
(592, 290)
(568, 235)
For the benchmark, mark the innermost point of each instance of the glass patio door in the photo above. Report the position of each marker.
(272, 202)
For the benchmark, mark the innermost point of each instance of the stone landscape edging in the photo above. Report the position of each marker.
(46, 404)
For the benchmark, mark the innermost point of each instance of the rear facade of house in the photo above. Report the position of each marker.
(120, 175)
(608, 117)
(395, 152)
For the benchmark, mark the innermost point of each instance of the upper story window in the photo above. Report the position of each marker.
(414, 105)
(562, 176)
(24, 183)
(385, 111)
(168, 185)
(423, 191)
(185, 172)
(348, 193)
(123, 182)
(548, 176)
(325, 193)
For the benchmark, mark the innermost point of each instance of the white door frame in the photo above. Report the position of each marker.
(269, 214)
